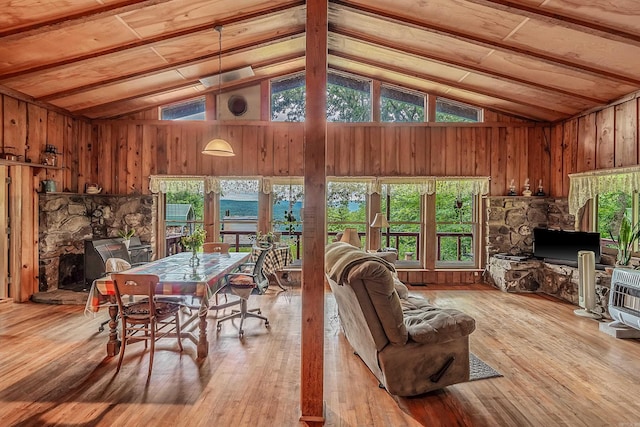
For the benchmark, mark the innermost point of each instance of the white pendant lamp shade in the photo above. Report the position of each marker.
(218, 147)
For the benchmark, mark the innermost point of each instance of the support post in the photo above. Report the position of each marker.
(314, 233)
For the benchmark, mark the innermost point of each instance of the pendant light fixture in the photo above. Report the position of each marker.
(218, 146)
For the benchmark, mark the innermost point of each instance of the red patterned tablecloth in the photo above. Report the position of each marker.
(176, 276)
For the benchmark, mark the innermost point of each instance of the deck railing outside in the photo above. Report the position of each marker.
(241, 240)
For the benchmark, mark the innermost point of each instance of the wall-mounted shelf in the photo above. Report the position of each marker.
(33, 165)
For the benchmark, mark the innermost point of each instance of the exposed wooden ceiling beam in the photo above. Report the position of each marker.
(282, 36)
(561, 20)
(152, 40)
(481, 41)
(447, 82)
(102, 11)
(187, 83)
(465, 65)
(122, 109)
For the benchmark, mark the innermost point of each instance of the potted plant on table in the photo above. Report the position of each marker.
(623, 242)
(194, 242)
(126, 235)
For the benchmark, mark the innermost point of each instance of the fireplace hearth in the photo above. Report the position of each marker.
(67, 220)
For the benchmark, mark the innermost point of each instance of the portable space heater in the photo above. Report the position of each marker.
(587, 285)
(624, 298)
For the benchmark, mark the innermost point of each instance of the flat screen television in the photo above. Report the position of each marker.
(564, 245)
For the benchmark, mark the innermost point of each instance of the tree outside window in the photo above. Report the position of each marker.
(348, 99)
(452, 111)
(402, 205)
(454, 224)
(346, 208)
(397, 105)
(612, 207)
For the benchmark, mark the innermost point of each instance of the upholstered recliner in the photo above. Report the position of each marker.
(411, 346)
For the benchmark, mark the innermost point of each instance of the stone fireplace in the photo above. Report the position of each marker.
(509, 230)
(511, 220)
(66, 220)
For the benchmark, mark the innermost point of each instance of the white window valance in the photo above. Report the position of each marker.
(423, 184)
(430, 185)
(587, 185)
(209, 184)
(191, 183)
(243, 186)
(463, 185)
(268, 183)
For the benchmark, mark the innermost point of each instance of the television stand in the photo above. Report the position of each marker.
(536, 275)
(557, 261)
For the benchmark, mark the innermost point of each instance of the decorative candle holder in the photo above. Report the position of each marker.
(512, 189)
(527, 188)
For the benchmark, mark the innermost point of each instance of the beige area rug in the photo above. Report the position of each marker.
(442, 408)
(480, 370)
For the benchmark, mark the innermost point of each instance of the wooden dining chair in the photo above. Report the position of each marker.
(113, 265)
(146, 320)
(213, 247)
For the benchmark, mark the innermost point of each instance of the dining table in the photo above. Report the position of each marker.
(179, 276)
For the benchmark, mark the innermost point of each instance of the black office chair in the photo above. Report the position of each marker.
(243, 284)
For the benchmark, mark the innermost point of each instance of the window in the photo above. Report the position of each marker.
(611, 208)
(348, 99)
(456, 222)
(452, 111)
(402, 204)
(288, 99)
(183, 207)
(193, 109)
(286, 213)
(238, 211)
(346, 207)
(400, 105)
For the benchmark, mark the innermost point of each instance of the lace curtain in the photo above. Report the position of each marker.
(587, 185)
(463, 185)
(431, 185)
(193, 184)
(425, 185)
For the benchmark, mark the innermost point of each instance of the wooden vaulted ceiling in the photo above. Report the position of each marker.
(543, 60)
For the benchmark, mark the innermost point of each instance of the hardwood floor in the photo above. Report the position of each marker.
(559, 370)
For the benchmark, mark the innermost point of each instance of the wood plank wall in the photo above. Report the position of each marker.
(25, 130)
(138, 149)
(121, 154)
(603, 139)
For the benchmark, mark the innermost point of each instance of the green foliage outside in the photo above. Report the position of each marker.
(445, 117)
(454, 215)
(289, 105)
(612, 207)
(343, 105)
(347, 105)
(402, 201)
(185, 197)
(392, 110)
(346, 207)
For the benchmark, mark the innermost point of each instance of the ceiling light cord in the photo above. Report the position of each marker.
(218, 146)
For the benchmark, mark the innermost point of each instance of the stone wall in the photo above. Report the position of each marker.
(511, 220)
(66, 220)
(534, 275)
